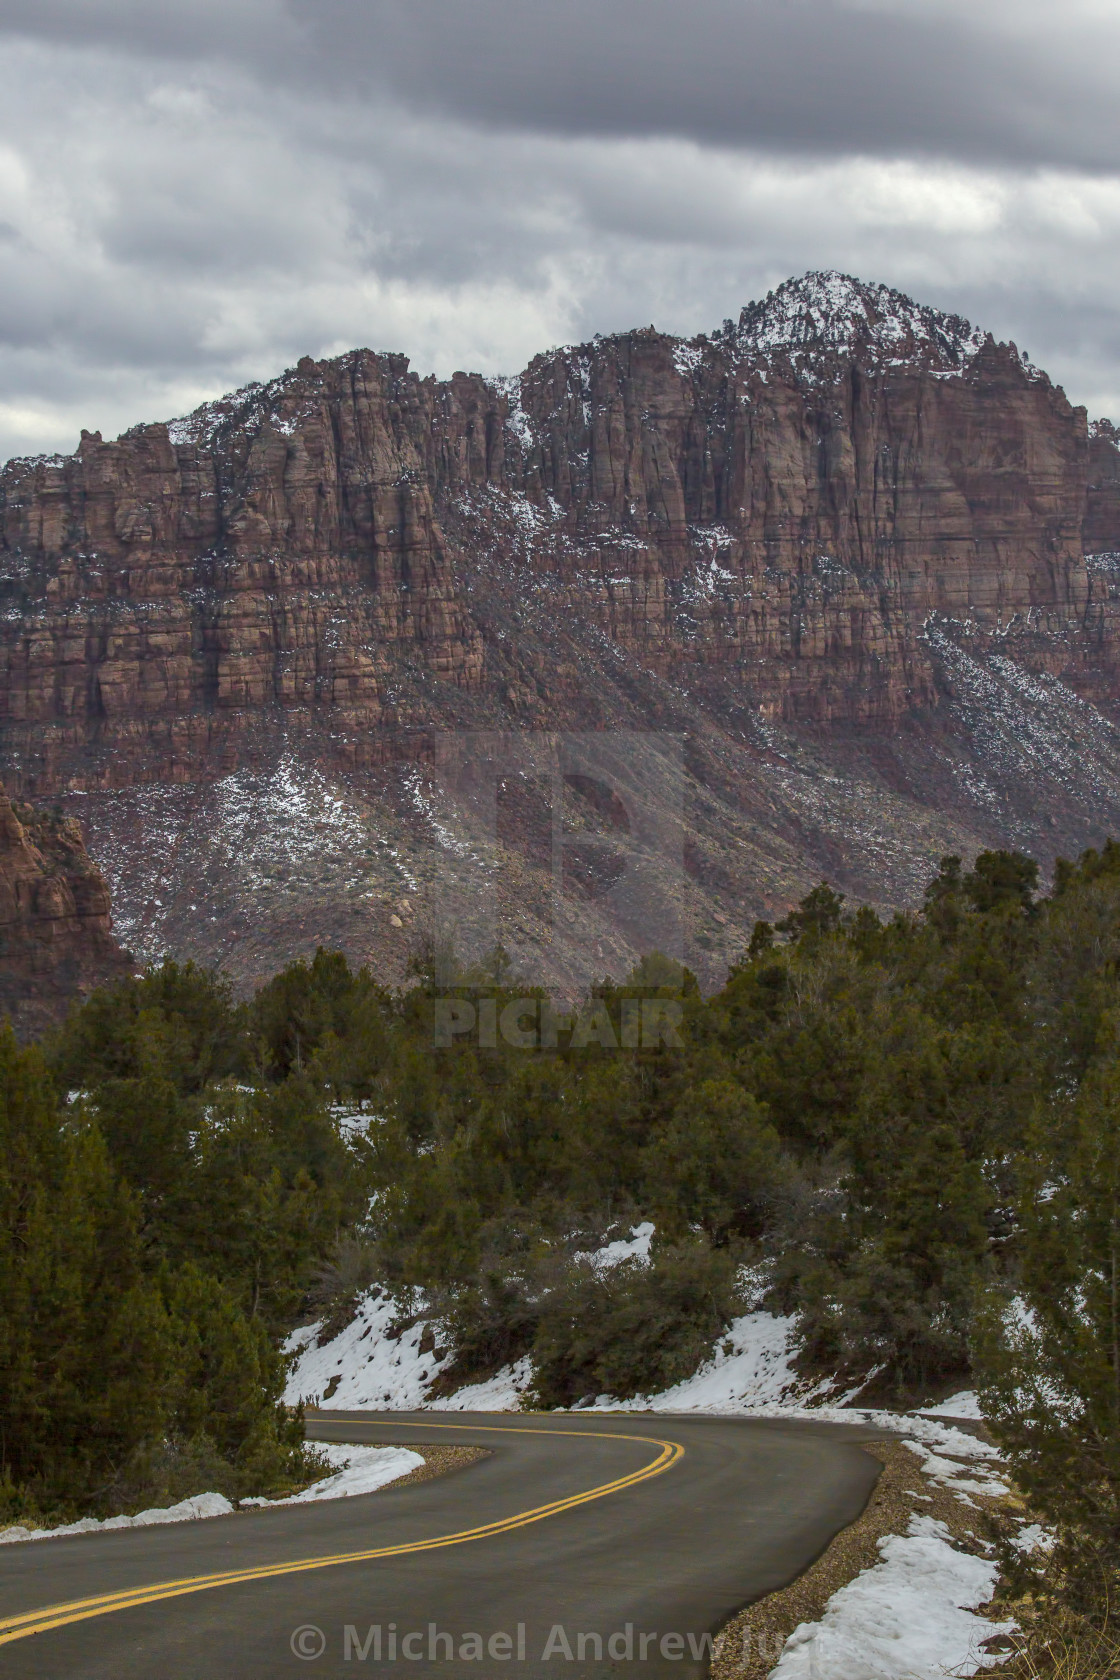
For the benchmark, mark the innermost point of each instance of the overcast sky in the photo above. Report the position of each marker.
(192, 196)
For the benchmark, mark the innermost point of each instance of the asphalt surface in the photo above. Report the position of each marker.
(712, 1513)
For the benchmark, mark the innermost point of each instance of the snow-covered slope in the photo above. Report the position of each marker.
(373, 1362)
(391, 1361)
(751, 1367)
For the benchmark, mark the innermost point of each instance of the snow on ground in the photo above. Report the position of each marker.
(634, 1247)
(188, 1510)
(950, 1474)
(359, 1470)
(373, 1362)
(963, 1405)
(910, 1615)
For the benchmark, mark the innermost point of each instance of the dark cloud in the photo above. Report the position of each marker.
(811, 76)
(804, 75)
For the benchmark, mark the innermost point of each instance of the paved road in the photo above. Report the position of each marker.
(635, 1535)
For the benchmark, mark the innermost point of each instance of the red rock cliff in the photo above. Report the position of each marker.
(789, 499)
(843, 515)
(56, 936)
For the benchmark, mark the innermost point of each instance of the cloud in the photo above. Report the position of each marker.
(989, 81)
(191, 197)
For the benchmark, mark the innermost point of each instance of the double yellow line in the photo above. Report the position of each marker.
(81, 1609)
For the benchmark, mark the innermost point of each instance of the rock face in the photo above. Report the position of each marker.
(801, 522)
(56, 936)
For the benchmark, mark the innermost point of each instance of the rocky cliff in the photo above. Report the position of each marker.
(829, 520)
(56, 936)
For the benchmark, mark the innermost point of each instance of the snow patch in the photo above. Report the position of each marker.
(612, 1254)
(199, 1506)
(963, 1405)
(360, 1470)
(910, 1616)
(687, 358)
(953, 1475)
(501, 1393)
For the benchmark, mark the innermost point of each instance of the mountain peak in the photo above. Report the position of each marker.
(825, 317)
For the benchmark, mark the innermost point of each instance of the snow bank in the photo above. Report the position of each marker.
(963, 1405)
(360, 1470)
(909, 1616)
(188, 1510)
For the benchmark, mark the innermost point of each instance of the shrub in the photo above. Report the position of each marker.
(635, 1329)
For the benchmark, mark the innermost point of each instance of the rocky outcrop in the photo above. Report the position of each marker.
(788, 520)
(56, 938)
(1101, 530)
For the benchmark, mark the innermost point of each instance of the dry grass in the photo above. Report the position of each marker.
(749, 1646)
(1070, 1653)
(1056, 1644)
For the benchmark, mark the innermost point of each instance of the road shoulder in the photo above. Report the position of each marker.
(749, 1646)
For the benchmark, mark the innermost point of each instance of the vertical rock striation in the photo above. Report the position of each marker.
(56, 936)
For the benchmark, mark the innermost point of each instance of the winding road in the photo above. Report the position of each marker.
(584, 1545)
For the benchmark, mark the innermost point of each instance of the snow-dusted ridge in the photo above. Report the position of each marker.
(803, 325)
(826, 316)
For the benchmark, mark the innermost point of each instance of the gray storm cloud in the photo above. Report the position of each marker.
(195, 195)
(990, 83)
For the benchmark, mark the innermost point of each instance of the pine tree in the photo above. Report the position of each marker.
(1050, 1367)
(84, 1340)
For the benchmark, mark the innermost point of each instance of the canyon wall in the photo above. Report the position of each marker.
(56, 938)
(863, 560)
(790, 509)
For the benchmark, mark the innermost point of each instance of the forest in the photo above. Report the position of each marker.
(904, 1131)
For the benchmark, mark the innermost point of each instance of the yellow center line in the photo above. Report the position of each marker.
(81, 1609)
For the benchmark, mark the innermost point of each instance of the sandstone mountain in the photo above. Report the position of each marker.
(55, 932)
(858, 560)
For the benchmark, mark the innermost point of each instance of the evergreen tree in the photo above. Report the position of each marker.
(85, 1346)
(1050, 1368)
